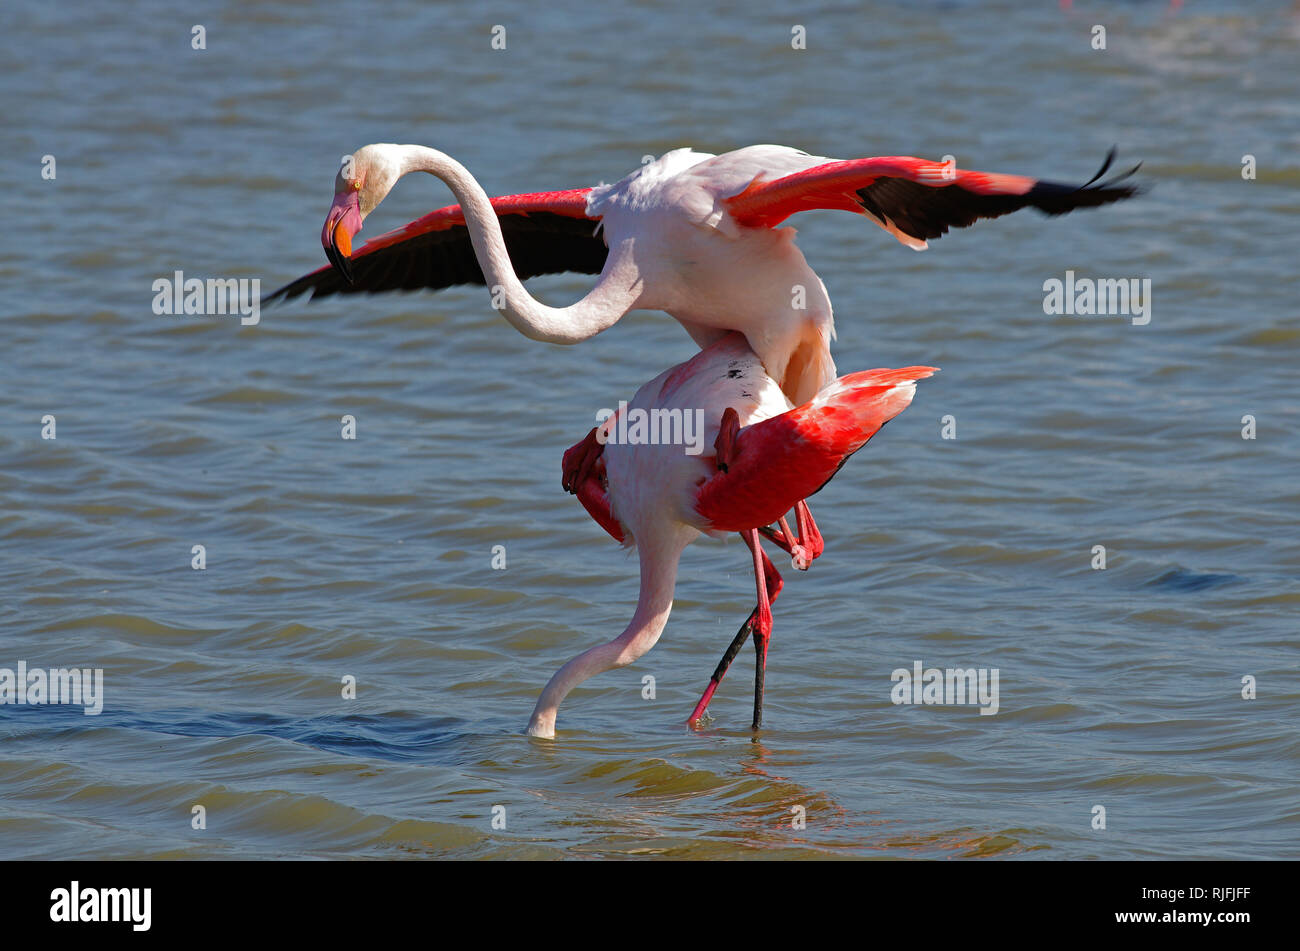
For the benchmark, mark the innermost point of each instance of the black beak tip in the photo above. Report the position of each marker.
(341, 264)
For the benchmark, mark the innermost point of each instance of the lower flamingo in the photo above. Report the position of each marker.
(768, 456)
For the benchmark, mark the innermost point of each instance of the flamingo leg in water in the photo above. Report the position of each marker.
(759, 623)
(720, 671)
(762, 624)
(760, 668)
(768, 583)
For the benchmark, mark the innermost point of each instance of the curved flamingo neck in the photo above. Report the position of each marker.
(654, 603)
(609, 300)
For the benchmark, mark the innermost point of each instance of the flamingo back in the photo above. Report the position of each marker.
(656, 482)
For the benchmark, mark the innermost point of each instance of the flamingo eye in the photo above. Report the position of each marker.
(355, 184)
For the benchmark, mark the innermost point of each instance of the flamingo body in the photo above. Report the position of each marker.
(659, 499)
(691, 233)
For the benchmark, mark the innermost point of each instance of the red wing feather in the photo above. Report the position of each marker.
(791, 456)
(922, 199)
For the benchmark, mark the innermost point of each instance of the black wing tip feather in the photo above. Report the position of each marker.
(927, 212)
(291, 290)
(325, 283)
(1054, 198)
(539, 243)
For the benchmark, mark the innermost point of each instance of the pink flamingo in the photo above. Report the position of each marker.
(691, 233)
(768, 456)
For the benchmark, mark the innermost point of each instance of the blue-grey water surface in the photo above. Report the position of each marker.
(328, 558)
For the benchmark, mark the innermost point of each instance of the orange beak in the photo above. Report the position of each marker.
(341, 224)
(342, 239)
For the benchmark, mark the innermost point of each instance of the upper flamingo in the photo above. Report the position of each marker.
(768, 456)
(693, 234)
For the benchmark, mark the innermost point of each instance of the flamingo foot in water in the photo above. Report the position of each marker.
(758, 625)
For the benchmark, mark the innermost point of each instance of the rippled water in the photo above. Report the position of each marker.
(328, 558)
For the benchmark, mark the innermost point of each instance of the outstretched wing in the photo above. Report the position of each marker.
(916, 200)
(545, 233)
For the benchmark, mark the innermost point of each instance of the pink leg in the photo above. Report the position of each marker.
(762, 629)
(768, 583)
(804, 547)
(810, 537)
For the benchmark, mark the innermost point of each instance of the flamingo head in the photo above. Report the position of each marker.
(363, 181)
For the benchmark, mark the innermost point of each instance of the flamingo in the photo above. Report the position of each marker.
(691, 233)
(768, 455)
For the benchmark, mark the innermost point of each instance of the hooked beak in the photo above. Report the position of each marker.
(343, 221)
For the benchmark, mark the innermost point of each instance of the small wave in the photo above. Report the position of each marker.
(1181, 579)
